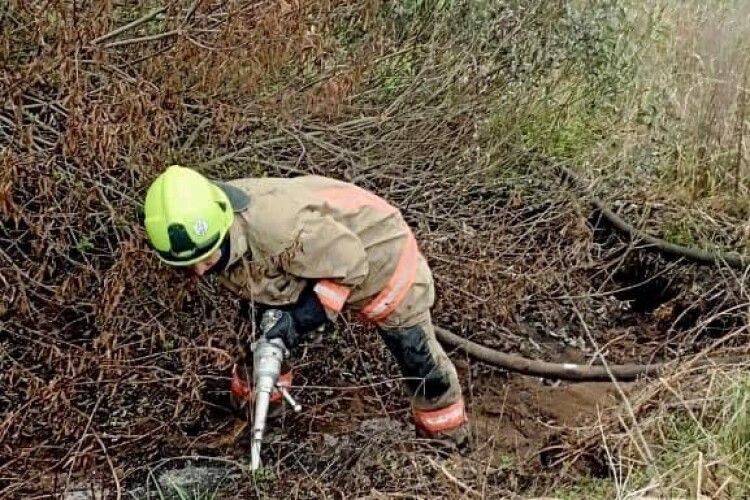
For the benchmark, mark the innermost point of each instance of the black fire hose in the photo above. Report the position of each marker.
(698, 255)
(545, 369)
(571, 371)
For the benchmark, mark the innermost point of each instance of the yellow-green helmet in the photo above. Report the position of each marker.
(186, 216)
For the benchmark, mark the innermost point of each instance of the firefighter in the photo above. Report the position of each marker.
(306, 248)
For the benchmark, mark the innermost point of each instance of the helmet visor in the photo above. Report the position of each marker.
(190, 252)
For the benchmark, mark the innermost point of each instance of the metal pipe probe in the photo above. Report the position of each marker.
(267, 359)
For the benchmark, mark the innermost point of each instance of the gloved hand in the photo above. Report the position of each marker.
(291, 322)
(278, 324)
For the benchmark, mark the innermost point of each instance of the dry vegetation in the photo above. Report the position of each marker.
(113, 367)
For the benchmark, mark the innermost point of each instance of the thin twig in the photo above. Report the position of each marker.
(147, 38)
(625, 400)
(143, 19)
(111, 465)
(453, 479)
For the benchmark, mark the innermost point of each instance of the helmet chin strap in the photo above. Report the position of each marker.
(223, 260)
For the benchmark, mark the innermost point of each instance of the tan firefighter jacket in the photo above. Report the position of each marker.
(356, 246)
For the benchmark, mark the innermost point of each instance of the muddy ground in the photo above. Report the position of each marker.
(517, 425)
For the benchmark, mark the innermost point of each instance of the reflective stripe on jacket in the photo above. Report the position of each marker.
(355, 244)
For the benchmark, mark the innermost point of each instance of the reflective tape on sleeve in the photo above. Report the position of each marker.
(332, 295)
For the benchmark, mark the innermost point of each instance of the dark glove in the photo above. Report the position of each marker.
(297, 319)
(308, 313)
(278, 324)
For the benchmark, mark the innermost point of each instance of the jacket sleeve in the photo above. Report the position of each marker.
(268, 287)
(333, 256)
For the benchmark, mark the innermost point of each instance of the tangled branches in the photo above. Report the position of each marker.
(109, 361)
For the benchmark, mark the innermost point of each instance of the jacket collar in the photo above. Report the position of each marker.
(237, 197)
(238, 244)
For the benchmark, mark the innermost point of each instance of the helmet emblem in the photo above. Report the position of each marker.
(201, 227)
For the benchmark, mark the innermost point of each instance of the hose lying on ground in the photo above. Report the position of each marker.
(734, 260)
(544, 369)
(571, 371)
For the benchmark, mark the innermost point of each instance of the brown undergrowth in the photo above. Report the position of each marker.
(113, 367)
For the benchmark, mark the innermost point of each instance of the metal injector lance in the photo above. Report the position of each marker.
(268, 356)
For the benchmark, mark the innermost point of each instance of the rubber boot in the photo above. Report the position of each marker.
(430, 377)
(449, 425)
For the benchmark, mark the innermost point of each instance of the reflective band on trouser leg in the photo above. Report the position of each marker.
(442, 419)
(398, 286)
(332, 295)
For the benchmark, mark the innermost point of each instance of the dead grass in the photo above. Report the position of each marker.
(696, 427)
(110, 363)
(675, 137)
